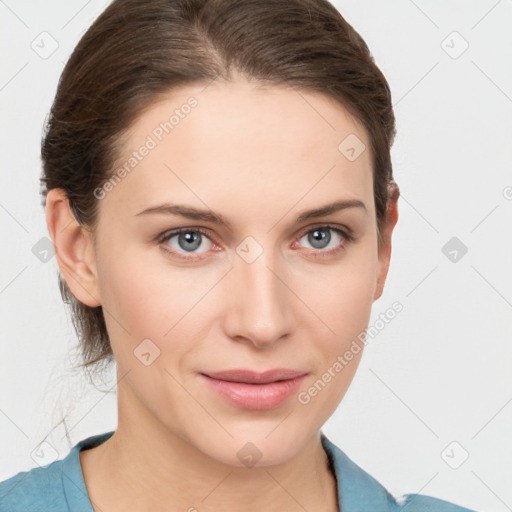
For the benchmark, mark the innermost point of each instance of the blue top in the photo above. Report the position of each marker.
(60, 486)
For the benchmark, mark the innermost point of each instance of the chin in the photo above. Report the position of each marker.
(254, 447)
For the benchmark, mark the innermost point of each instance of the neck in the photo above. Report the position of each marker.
(145, 466)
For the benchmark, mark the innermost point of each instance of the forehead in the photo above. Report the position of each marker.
(243, 145)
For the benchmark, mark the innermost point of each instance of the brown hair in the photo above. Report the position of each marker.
(138, 50)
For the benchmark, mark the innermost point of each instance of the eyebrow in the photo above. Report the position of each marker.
(215, 218)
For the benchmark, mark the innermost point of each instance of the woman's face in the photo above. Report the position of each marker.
(263, 291)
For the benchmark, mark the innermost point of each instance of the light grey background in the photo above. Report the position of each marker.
(439, 373)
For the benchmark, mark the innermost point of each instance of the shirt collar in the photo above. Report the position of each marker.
(73, 481)
(357, 490)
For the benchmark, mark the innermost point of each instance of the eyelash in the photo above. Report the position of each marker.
(347, 235)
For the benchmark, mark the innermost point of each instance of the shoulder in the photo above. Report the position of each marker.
(56, 486)
(421, 503)
(34, 490)
(359, 492)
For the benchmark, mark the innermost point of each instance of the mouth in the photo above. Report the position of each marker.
(252, 390)
(250, 377)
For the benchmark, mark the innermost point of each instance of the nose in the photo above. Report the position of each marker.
(260, 302)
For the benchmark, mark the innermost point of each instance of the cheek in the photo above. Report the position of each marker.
(341, 295)
(347, 313)
(350, 303)
(345, 308)
(153, 301)
(145, 297)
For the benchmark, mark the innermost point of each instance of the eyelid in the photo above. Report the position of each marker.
(173, 232)
(347, 234)
(167, 235)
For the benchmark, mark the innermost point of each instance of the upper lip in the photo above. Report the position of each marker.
(251, 377)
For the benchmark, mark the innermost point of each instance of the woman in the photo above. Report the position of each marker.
(219, 191)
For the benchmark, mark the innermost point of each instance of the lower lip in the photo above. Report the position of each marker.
(255, 396)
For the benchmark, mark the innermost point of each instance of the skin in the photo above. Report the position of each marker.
(259, 157)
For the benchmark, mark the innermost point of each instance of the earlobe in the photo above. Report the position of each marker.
(385, 248)
(74, 249)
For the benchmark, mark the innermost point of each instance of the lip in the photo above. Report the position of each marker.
(252, 390)
(251, 377)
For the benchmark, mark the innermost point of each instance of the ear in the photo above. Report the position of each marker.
(74, 248)
(385, 248)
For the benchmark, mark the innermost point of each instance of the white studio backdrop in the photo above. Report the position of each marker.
(430, 409)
